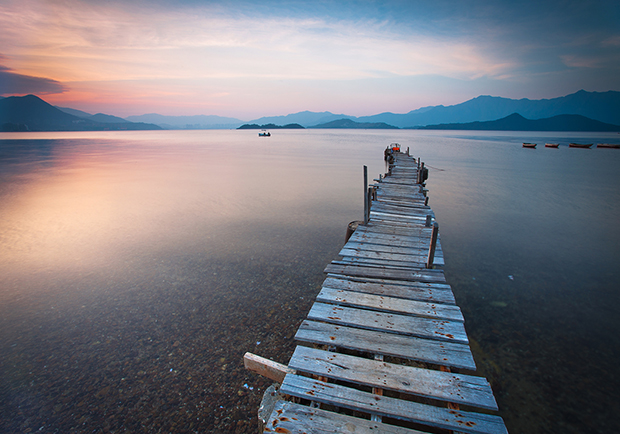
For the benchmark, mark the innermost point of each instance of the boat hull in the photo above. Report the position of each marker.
(529, 145)
(579, 145)
(552, 145)
(608, 146)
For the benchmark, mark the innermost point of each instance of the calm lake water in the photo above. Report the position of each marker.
(136, 268)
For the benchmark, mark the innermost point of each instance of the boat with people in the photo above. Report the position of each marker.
(388, 154)
(580, 145)
(264, 133)
(608, 145)
(529, 145)
(552, 145)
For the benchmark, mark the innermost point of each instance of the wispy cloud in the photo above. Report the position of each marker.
(228, 51)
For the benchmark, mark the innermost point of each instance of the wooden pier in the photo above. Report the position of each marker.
(384, 347)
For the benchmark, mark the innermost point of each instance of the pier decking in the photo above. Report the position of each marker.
(381, 345)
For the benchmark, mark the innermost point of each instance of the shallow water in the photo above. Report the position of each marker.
(136, 268)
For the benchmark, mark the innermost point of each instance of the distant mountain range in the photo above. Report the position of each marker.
(600, 106)
(350, 124)
(32, 113)
(198, 122)
(516, 122)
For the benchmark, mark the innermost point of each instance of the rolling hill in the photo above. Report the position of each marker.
(516, 122)
(31, 113)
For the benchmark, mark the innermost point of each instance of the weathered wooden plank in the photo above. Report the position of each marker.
(411, 208)
(389, 304)
(444, 386)
(440, 417)
(409, 230)
(435, 292)
(450, 331)
(406, 347)
(365, 262)
(267, 368)
(391, 239)
(291, 418)
(392, 215)
(388, 264)
(355, 247)
(417, 256)
(427, 275)
(401, 202)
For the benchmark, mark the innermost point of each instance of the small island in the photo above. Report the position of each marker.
(270, 127)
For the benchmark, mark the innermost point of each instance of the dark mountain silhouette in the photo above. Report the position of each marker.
(31, 113)
(348, 123)
(270, 127)
(108, 119)
(600, 106)
(74, 112)
(516, 122)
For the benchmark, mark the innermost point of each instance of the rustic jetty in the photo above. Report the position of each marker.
(384, 347)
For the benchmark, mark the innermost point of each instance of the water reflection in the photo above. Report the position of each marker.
(137, 268)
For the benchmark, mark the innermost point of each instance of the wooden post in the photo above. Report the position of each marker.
(426, 201)
(366, 204)
(429, 221)
(351, 229)
(369, 201)
(407, 151)
(431, 250)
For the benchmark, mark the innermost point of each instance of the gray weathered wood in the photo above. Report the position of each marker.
(441, 417)
(267, 368)
(435, 276)
(390, 304)
(292, 418)
(451, 331)
(407, 347)
(444, 386)
(435, 292)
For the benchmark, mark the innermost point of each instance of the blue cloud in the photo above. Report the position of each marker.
(19, 84)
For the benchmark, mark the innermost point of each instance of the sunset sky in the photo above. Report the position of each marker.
(248, 59)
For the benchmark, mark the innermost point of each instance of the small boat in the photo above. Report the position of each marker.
(529, 145)
(579, 145)
(608, 145)
(264, 133)
(388, 154)
(551, 145)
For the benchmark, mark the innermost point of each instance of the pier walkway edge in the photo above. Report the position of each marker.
(384, 347)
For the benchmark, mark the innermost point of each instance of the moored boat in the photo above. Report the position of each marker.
(529, 145)
(264, 133)
(551, 145)
(580, 145)
(608, 145)
(388, 154)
